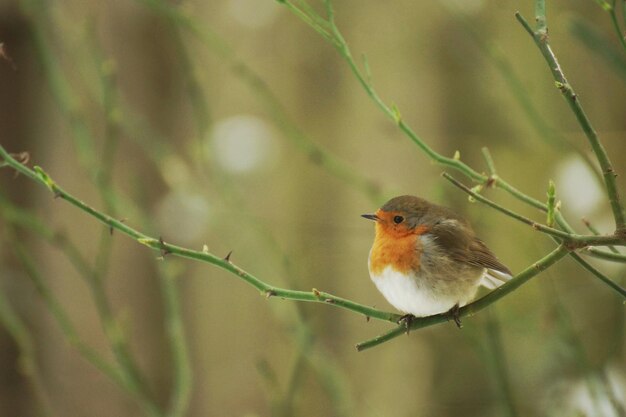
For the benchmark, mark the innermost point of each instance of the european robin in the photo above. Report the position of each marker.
(427, 260)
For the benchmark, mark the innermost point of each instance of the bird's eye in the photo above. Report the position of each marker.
(398, 219)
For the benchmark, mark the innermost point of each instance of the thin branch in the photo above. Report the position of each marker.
(552, 205)
(607, 256)
(497, 359)
(540, 36)
(159, 245)
(574, 240)
(182, 378)
(613, 13)
(571, 237)
(393, 113)
(599, 275)
(520, 92)
(489, 160)
(600, 45)
(120, 377)
(596, 232)
(62, 319)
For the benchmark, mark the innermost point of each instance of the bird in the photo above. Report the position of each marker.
(427, 260)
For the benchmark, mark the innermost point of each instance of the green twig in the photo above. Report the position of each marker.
(182, 383)
(618, 31)
(120, 377)
(599, 275)
(596, 232)
(489, 160)
(540, 36)
(552, 206)
(497, 359)
(224, 263)
(365, 81)
(61, 317)
(600, 45)
(68, 101)
(391, 112)
(595, 252)
(520, 93)
(574, 240)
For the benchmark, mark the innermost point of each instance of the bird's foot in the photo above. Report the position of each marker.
(453, 313)
(406, 320)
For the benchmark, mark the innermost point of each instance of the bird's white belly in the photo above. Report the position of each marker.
(405, 293)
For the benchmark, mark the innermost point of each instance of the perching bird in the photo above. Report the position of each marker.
(427, 260)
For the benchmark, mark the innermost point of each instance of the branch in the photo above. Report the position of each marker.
(476, 306)
(158, 244)
(335, 38)
(599, 275)
(618, 31)
(571, 239)
(540, 36)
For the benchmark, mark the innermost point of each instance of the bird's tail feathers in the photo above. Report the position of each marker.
(492, 279)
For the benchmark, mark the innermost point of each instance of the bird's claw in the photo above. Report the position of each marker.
(453, 313)
(406, 320)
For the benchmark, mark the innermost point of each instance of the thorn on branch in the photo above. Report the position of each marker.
(227, 257)
(316, 292)
(610, 171)
(164, 250)
(367, 319)
(22, 158)
(270, 293)
(111, 229)
(329, 300)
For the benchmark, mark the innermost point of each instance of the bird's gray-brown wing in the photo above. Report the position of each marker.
(463, 246)
(480, 255)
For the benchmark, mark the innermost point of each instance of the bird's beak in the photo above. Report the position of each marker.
(371, 217)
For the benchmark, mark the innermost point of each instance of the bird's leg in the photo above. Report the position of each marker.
(453, 313)
(407, 319)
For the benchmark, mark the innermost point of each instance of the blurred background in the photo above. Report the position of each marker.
(233, 124)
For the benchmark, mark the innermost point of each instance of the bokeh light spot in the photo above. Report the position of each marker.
(577, 186)
(242, 144)
(253, 14)
(182, 217)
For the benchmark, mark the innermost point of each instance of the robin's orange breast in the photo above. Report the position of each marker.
(401, 253)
